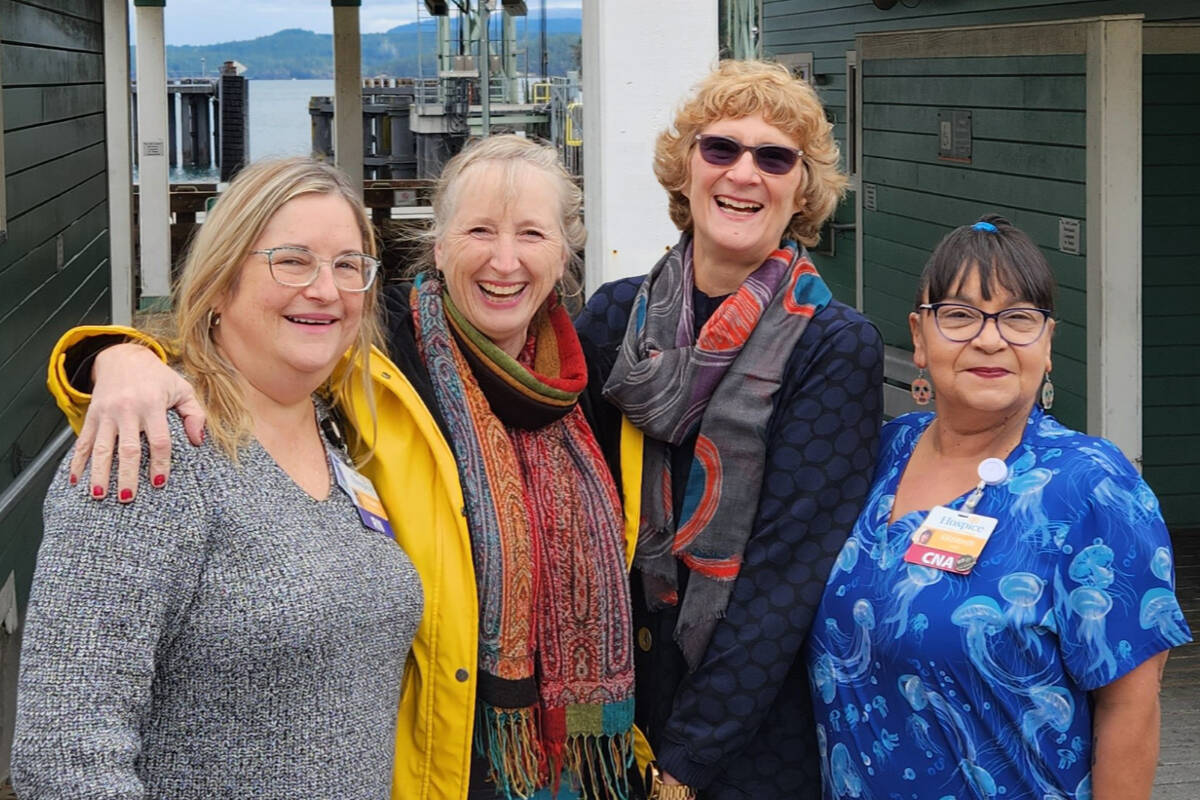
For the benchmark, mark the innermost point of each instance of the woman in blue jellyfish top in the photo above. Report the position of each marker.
(1020, 609)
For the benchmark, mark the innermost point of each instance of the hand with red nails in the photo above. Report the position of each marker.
(132, 391)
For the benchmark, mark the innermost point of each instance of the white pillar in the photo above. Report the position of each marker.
(119, 163)
(347, 93)
(1114, 233)
(154, 210)
(634, 76)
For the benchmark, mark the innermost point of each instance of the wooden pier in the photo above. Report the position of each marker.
(207, 123)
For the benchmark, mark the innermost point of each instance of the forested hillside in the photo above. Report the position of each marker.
(295, 53)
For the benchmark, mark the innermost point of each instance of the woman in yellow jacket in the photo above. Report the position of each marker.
(495, 487)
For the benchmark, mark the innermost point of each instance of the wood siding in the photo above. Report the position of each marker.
(1028, 164)
(1031, 170)
(1171, 283)
(54, 270)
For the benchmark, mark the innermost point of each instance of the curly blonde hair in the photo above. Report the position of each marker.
(214, 265)
(737, 89)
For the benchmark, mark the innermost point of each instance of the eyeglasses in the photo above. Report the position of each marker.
(297, 266)
(959, 322)
(773, 159)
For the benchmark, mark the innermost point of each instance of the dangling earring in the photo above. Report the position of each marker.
(921, 388)
(1047, 392)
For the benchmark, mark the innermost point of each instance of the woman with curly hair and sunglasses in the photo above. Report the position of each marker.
(752, 399)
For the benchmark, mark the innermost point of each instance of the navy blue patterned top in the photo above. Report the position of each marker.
(929, 684)
(741, 725)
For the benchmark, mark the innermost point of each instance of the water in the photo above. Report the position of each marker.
(279, 123)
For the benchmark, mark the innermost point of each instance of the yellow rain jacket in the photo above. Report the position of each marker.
(414, 471)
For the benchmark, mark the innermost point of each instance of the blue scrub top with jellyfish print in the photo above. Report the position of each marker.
(929, 685)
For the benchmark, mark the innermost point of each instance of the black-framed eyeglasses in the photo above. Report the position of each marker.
(960, 322)
(298, 266)
(773, 159)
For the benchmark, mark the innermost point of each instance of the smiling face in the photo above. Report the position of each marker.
(739, 213)
(502, 251)
(282, 339)
(986, 376)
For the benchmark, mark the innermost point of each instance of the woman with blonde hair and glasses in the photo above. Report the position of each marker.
(521, 678)
(243, 631)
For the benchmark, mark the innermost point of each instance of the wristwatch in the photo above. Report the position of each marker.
(657, 790)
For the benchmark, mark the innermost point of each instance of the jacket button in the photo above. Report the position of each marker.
(644, 640)
(461, 676)
(387, 376)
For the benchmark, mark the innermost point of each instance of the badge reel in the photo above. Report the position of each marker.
(362, 493)
(952, 540)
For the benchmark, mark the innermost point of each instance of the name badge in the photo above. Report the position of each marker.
(950, 540)
(362, 493)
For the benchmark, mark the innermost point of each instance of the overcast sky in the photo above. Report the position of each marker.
(210, 21)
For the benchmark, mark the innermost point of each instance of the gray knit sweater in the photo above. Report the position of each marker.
(226, 636)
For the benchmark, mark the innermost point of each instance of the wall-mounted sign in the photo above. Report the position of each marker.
(152, 148)
(954, 135)
(1068, 235)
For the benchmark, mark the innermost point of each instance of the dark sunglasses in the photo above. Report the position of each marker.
(773, 159)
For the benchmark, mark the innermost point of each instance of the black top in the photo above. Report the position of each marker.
(741, 726)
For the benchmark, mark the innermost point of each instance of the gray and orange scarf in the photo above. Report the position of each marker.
(667, 381)
(555, 688)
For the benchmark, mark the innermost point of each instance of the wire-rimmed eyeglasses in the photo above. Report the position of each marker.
(298, 266)
(960, 322)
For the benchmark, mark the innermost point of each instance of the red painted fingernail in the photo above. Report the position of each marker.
(74, 479)
(125, 495)
(159, 480)
(97, 491)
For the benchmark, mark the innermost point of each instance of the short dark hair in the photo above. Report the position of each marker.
(999, 252)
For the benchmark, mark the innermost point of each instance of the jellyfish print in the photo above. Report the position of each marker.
(1023, 590)
(1161, 564)
(918, 731)
(1127, 505)
(980, 617)
(978, 778)
(1083, 791)
(823, 752)
(1028, 490)
(920, 624)
(1092, 567)
(1051, 428)
(1052, 706)
(1160, 609)
(829, 670)
(843, 776)
(847, 558)
(920, 697)
(917, 577)
(1092, 606)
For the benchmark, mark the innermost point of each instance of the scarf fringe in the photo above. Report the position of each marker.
(508, 738)
(603, 761)
(519, 765)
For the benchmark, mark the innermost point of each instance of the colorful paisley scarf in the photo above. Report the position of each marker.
(667, 382)
(555, 688)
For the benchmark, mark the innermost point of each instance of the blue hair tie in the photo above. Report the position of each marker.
(985, 226)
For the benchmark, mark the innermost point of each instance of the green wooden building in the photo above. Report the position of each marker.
(54, 264)
(1080, 121)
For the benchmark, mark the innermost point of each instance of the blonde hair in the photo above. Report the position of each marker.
(737, 89)
(510, 152)
(214, 266)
